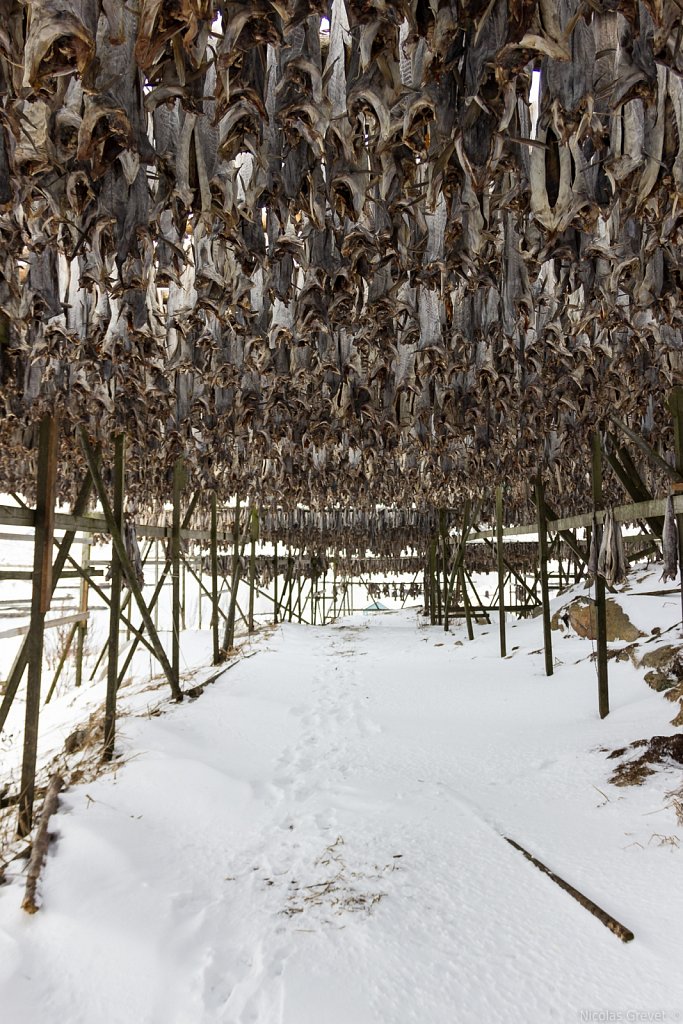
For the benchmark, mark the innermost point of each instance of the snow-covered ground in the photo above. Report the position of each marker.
(318, 839)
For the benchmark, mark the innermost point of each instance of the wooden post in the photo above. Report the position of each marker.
(183, 594)
(254, 533)
(48, 447)
(676, 409)
(115, 606)
(214, 580)
(466, 602)
(156, 581)
(334, 588)
(178, 485)
(298, 600)
(291, 585)
(432, 582)
(82, 627)
(437, 584)
(543, 573)
(501, 569)
(200, 594)
(443, 529)
(600, 603)
(230, 628)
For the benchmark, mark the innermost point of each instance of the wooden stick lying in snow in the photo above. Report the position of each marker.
(609, 922)
(40, 844)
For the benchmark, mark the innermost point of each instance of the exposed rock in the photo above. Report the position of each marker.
(658, 750)
(580, 616)
(665, 667)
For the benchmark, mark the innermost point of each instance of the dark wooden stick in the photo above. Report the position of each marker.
(215, 607)
(600, 605)
(40, 843)
(543, 573)
(115, 606)
(609, 922)
(500, 562)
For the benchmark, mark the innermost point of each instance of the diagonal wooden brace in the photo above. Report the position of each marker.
(129, 572)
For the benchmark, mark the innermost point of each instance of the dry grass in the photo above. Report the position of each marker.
(341, 890)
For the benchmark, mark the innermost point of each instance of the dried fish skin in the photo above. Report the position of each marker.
(669, 543)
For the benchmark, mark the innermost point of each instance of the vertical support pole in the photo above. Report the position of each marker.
(543, 573)
(676, 410)
(183, 597)
(48, 446)
(178, 485)
(432, 583)
(443, 529)
(214, 580)
(199, 568)
(501, 570)
(437, 584)
(600, 604)
(334, 587)
(466, 603)
(275, 572)
(254, 533)
(115, 607)
(230, 626)
(82, 628)
(290, 562)
(156, 582)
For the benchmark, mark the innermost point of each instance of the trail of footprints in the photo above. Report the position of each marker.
(242, 985)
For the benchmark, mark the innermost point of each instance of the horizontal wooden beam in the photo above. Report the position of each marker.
(622, 514)
(26, 574)
(64, 620)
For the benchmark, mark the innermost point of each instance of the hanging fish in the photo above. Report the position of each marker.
(621, 559)
(669, 543)
(130, 542)
(612, 563)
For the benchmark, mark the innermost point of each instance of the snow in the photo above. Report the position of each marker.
(318, 839)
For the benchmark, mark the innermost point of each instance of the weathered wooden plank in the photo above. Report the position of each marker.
(622, 514)
(63, 620)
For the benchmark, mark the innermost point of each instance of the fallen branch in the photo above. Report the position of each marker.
(609, 922)
(40, 844)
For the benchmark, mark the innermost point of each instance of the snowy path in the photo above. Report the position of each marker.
(317, 840)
